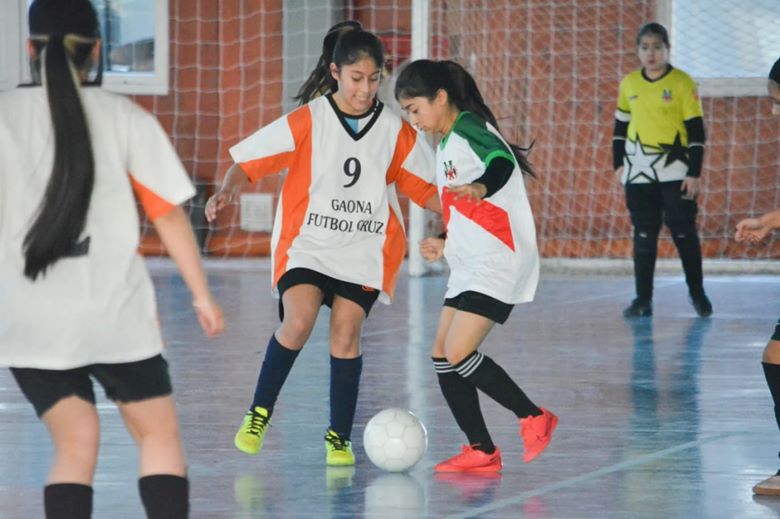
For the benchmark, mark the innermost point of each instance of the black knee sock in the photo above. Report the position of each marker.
(344, 386)
(165, 496)
(276, 366)
(67, 501)
(645, 252)
(491, 379)
(689, 249)
(772, 374)
(463, 400)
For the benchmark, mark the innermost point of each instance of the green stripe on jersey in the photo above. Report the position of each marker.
(485, 144)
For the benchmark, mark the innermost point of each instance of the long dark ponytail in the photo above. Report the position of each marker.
(63, 211)
(424, 78)
(344, 44)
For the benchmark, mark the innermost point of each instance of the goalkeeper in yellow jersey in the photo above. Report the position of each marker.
(658, 148)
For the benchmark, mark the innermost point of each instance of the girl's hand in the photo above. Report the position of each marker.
(751, 230)
(471, 192)
(209, 316)
(690, 188)
(432, 249)
(216, 202)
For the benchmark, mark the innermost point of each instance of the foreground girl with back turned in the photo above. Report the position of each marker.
(338, 236)
(491, 250)
(77, 301)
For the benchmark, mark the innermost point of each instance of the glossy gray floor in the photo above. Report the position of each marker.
(664, 417)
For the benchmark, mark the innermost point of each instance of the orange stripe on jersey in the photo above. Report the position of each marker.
(295, 191)
(256, 169)
(415, 188)
(492, 218)
(393, 253)
(153, 205)
(411, 185)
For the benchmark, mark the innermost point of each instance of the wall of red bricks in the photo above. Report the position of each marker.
(550, 72)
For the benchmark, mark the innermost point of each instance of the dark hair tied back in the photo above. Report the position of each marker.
(320, 80)
(424, 78)
(344, 44)
(62, 213)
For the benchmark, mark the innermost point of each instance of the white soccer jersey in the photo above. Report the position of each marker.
(491, 245)
(99, 307)
(338, 212)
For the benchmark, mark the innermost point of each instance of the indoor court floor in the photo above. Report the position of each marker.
(662, 417)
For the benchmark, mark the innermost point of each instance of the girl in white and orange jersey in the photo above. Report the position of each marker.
(77, 301)
(491, 251)
(338, 236)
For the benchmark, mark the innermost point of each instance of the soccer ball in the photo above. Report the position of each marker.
(395, 439)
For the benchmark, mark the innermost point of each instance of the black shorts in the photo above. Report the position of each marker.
(126, 382)
(654, 204)
(776, 335)
(331, 287)
(480, 304)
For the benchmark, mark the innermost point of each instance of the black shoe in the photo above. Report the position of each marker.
(702, 305)
(639, 308)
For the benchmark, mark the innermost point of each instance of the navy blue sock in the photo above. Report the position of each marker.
(276, 366)
(67, 501)
(344, 385)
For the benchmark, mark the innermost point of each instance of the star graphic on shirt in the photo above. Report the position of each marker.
(641, 163)
(675, 151)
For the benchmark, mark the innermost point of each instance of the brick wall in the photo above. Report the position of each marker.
(549, 70)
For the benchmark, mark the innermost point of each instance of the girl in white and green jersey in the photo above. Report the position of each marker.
(491, 250)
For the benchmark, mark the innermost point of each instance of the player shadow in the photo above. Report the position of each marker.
(770, 502)
(395, 494)
(474, 488)
(664, 393)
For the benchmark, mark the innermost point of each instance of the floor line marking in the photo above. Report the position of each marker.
(498, 505)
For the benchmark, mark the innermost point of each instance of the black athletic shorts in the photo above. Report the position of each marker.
(776, 335)
(480, 304)
(362, 295)
(651, 205)
(126, 382)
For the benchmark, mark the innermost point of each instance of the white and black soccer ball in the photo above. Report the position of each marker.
(395, 440)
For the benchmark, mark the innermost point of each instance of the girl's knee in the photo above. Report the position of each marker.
(345, 341)
(294, 332)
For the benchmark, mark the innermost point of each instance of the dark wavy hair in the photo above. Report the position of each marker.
(344, 44)
(424, 78)
(63, 35)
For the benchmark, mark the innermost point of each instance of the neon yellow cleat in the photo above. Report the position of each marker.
(249, 437)
(338, 451)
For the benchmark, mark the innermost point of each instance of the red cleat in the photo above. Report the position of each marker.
(536, 432)
(471, 460)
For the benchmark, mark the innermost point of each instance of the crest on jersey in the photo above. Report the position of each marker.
(449, 170)
(667, 95)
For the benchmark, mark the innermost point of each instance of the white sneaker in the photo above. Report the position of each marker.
(769, 487)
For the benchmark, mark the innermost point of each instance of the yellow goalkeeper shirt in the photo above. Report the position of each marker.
(656, 144)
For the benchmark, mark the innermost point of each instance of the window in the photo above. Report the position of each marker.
(11, 55)
(727, 46)
(135, 45)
